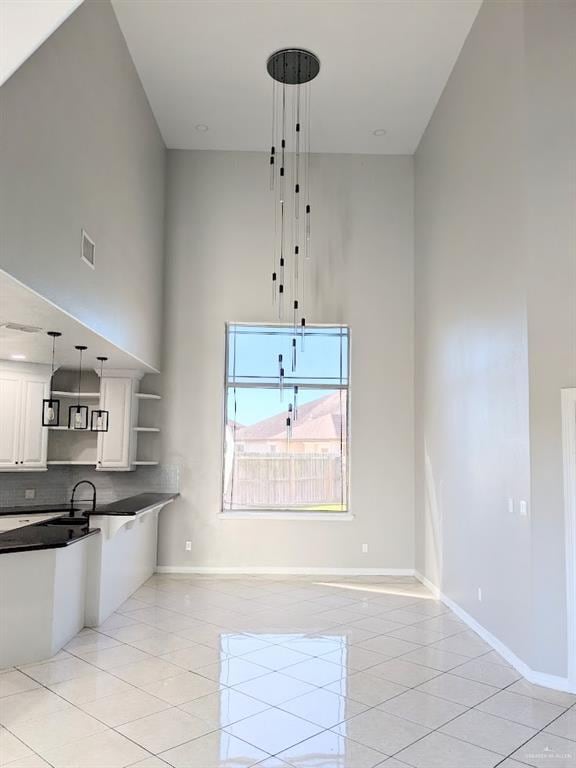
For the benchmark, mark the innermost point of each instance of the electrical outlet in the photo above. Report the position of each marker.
(30, 493)
(479, 594)
(188, 546)
(364, 548)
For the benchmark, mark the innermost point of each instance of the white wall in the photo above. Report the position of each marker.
(550, 39)
(495, 294)
(80, 148)
(219, 236)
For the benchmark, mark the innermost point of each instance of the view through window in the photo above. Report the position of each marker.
(286, 438)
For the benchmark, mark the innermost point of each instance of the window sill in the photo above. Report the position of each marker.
(340, 517)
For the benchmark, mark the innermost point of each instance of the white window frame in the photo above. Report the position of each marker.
(286, 514)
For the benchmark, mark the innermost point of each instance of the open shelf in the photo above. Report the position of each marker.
(145, 463)
(71, 463)
(61, 393)
(146, 429)
(145, 396)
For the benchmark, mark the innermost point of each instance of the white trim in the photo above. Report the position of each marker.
(538, 678)
(340, 517)
(569, 453)
(283, 571)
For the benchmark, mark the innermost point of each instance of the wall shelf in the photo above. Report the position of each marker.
(145, 396)
(68, 429)
(71, 463)
(146, 463)
(146, 429)
(60, 393)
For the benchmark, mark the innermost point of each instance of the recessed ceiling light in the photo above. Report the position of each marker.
(201, 127)
(18, 357)
(379, 132)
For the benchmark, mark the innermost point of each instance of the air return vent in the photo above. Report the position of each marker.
(19, 327)
(88, 252)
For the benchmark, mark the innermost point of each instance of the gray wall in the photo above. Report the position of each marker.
(81, 149)
(220, 233)
(495, 293)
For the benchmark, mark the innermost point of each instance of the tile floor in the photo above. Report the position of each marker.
(232, 672)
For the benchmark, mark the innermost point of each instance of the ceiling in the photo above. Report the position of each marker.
(384, 64)
(21, 305)
(24, 25)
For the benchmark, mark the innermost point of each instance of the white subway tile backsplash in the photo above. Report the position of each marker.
(55, 485)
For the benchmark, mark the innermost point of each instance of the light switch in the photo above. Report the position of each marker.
(523, 508)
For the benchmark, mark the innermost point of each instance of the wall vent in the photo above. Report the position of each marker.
(88, 250)
(19, 327)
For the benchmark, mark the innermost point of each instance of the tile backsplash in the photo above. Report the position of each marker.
(55, 485)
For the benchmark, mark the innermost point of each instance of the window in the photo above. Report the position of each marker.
(286, 441)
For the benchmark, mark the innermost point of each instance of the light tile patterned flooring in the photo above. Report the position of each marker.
(231, 672)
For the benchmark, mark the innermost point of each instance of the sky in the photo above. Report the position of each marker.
(256, 355)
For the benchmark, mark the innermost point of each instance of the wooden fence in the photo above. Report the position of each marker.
(278, 480)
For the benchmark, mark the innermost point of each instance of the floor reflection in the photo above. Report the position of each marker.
(279, 673)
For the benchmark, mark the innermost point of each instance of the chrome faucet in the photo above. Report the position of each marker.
(80, 482)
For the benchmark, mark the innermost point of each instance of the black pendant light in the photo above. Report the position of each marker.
(292, 70)
(78, 414)
(99, 418)
(50, 406)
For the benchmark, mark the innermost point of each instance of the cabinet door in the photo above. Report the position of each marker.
(114, 445)
(10, 417)
(33, 436)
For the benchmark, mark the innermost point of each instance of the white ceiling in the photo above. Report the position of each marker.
(19, 304)
(384, 64)
(24, 25)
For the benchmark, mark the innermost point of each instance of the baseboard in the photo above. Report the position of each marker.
(282, 571)
(538, 678)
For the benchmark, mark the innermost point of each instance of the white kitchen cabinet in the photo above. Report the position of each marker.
(116, 447)
(23, 439)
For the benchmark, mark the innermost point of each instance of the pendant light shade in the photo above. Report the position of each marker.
(78, 414)
(99, 418)
(51, 406)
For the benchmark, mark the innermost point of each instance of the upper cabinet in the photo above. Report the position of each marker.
(116, 447)
(26, 445)
(23, 439)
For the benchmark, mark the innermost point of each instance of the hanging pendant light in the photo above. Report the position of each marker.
(50, 406)
(99, 418)
(78, 414)
(291, 70)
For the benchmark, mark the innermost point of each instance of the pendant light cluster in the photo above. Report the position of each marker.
(292, 70)
(77, 414)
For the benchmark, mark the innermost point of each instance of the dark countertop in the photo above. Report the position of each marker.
(49, 534)
(43, 536)
(134, 505)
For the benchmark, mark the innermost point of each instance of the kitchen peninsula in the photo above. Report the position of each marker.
(62, 569)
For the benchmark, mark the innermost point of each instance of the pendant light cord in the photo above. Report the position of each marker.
(79, 379)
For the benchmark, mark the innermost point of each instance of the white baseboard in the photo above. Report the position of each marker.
(538, 678)
(282, 571)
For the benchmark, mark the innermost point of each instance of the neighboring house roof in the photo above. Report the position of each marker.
(318, 420)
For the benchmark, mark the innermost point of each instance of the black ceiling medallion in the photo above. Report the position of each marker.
(293, 66)
(51, 406)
